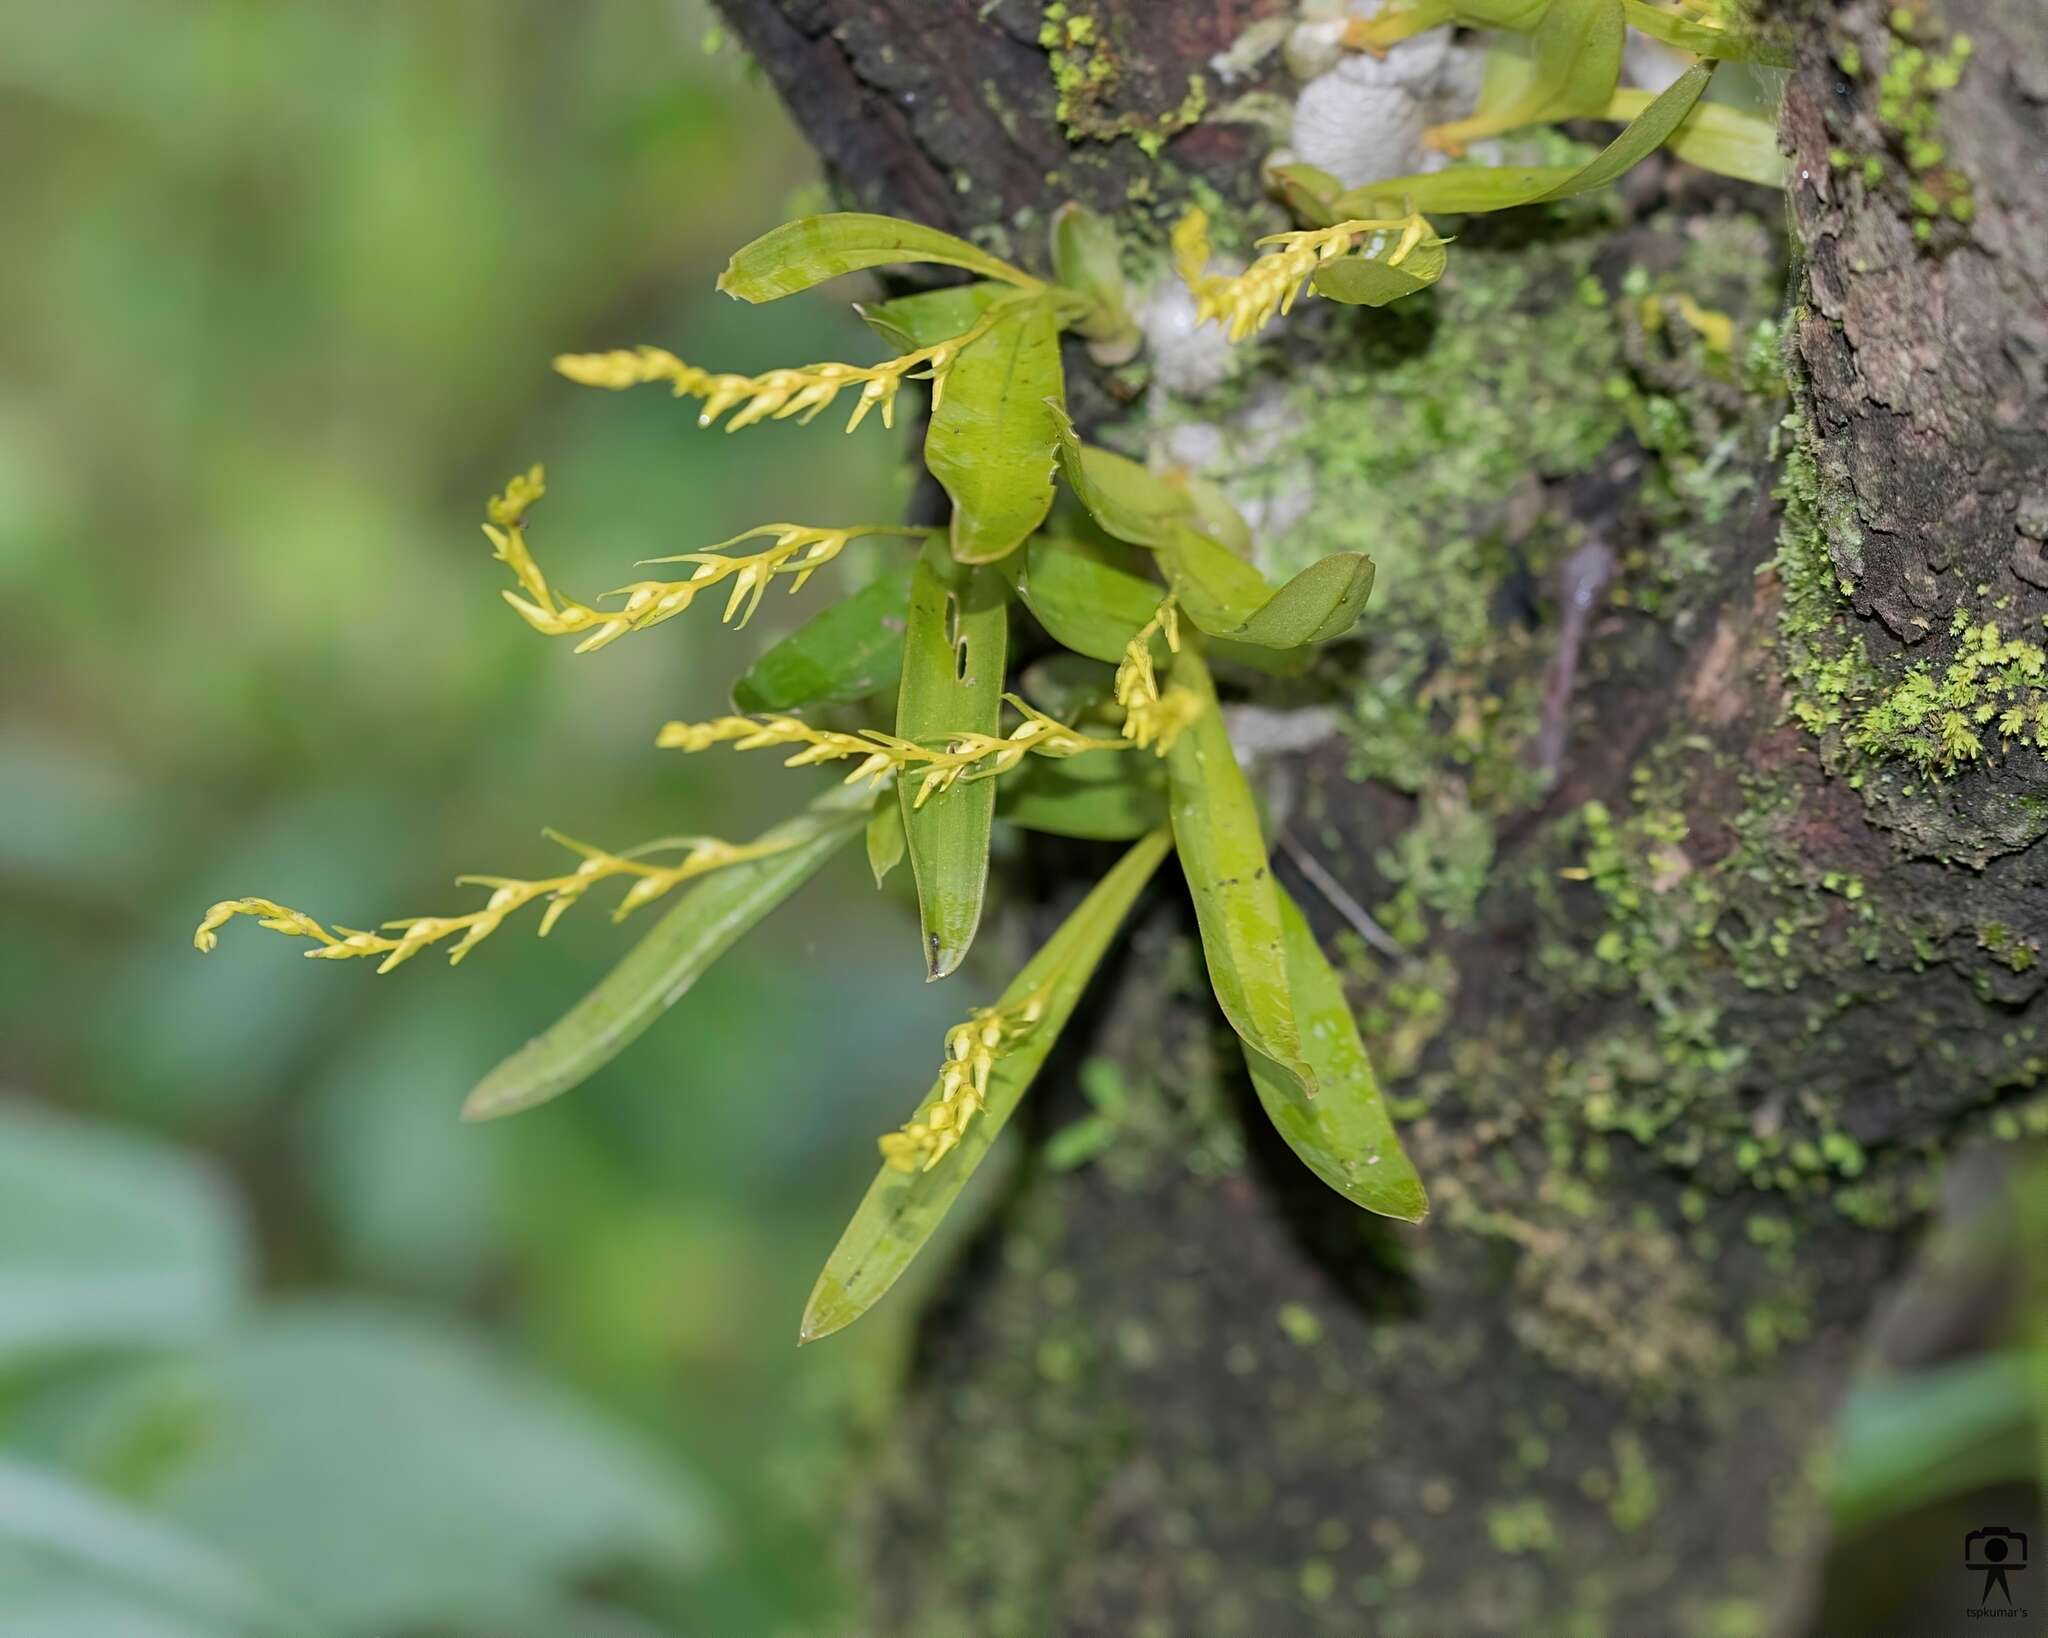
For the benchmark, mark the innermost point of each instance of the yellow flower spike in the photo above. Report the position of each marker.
(797, 550)
(1152, 720)
(879, 754)
(1049, 737)
(971, 1051)
(1274, 282)
(509, 509)
(778, 395)
(506, 532)
(965, 756)
(277, 917)
(701, 855)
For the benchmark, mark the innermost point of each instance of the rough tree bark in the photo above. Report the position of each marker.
(1686, 1031)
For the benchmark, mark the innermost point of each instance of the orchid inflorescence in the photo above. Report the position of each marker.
(1152, 719)
(965, 755)
(778, 395)
(1248, 301)
(701, 855)
(1134, 563)
(798, 551)
(972, 1050)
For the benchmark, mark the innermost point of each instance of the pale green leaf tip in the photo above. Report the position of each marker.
(488, 1102)
(826, 1312)
(942, 960)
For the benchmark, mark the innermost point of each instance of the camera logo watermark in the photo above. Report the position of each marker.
(1995, 1553)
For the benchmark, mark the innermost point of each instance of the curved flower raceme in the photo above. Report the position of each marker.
(406, 937)
(797, 550)
(778, 395)
(967, 755)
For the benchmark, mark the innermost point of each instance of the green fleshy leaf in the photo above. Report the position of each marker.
(1578, 64)
(1716, 138)
(954, 646)
(1222, 593)
(811, 250)
(1404, 19)
(992, 434)
(1218, 590)
(1702, 40)
(1365, 281)
(1093, 595)
(1572, 68)
(1090, 595)
(1461, 190)
(930, 316)
(711, 916)
(1343, 1133)
(1108, 797)
(851, 650)
(1214, 514)
(1472, 189)
(1642, 136)
(1517, 16)
(1310, 193)
(1129, 501)
(900, 1210)
(1216, 833)
(1226, 597)
(1318, 605)
(1087, 260)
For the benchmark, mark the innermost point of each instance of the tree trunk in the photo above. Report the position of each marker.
(1720, 899)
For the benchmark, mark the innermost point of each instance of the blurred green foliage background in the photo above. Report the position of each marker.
(281, 289)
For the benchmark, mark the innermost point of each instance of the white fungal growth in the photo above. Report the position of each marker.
(1361, 117)
(1187, 360)
(1356, 126)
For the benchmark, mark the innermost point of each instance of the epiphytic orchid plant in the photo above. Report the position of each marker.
(1144, 576)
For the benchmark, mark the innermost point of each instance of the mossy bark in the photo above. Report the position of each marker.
(1698, 995)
